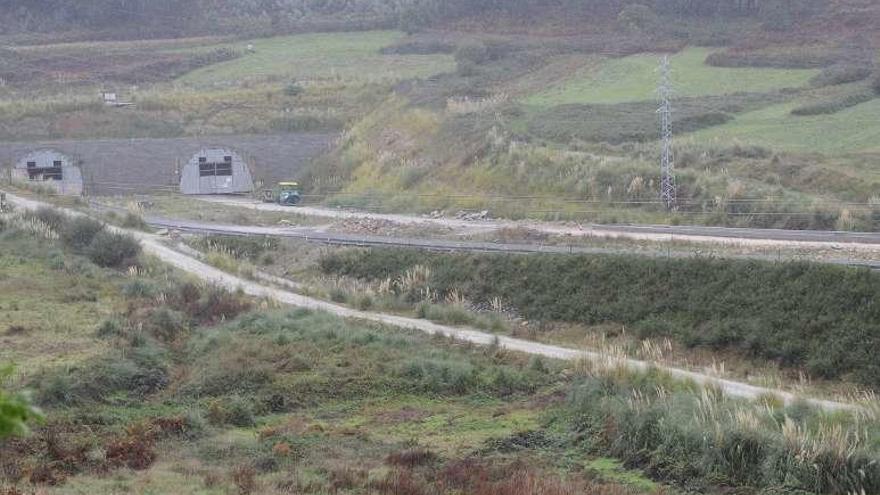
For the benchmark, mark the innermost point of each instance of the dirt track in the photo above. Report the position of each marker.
(154, 245)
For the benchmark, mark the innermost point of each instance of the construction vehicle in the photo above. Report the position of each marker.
(284, 193)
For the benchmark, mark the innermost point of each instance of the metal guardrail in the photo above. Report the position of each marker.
(478, 247)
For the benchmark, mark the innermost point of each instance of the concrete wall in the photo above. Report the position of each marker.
(70, 182)
(123, 166)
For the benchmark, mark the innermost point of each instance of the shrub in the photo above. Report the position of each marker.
(834, 105)
(79, 232)
(637, 17)
(216, 304)
(139, 288)
(166, 324)
(236, 411)
(51, 217)
(140, 372)
(110, 327)
(113, 250)
(841, 74)
(134, 221)
(133, 450)
(245, 479)
(411, 458)
(769, 449)
(293, 89)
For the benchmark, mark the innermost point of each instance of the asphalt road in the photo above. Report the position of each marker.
(642, 232)
(342, 239)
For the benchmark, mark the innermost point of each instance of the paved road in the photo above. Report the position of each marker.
(728, 235)
(153, 245)
(310, 234)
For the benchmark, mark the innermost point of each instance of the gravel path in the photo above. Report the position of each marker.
(153, 245)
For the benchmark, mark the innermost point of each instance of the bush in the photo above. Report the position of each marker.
(110, 327)
(637, 17)
(652, 434)
(841, 74)
(293, 89)
(236, 411)
(833, 106)
(139, 288)
(166, 324)
(79, 232)
(113, 250)
(51, 217)
(138, 373)
(790, 59)
(134, 221)
(216, 304)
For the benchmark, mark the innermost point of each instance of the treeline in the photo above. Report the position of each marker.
(187, 17)
(426, 12)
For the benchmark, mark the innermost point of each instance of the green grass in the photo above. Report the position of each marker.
(323, 56)
(635, 78)
(850, 130)
(51, 304)
(612, 469)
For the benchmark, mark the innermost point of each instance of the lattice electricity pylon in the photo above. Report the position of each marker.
(667, 159)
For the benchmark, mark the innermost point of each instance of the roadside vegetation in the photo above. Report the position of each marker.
(803, 316)
(195, 389)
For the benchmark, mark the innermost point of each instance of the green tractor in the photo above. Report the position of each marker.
(284, 193)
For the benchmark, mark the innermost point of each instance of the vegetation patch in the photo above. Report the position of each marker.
(635, 78)
(802, 315)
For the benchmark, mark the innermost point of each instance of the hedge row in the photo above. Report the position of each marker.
(821, 317)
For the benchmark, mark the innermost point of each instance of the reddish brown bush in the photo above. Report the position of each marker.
(346, 478)
(168, 426)
(460, 475)
(47, 474)
(401, 483)
(134, 449)
(411, 458)
(245, 479)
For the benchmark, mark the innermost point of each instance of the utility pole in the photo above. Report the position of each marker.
(667, 162)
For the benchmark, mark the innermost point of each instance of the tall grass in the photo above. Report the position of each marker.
(705, 438)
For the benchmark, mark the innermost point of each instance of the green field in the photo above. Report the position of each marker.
(851, 130)
(322, 56)
(635, 78)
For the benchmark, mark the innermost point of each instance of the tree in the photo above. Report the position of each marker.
(15, 411)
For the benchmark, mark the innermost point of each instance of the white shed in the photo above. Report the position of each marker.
(216, 171)
(50, 168)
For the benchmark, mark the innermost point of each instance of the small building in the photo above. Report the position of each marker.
(50, 168)
(216, 171)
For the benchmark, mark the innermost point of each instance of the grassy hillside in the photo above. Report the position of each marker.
(850, 130)
(192, 389)
(339, 57)
(635, 78)
(469, 111)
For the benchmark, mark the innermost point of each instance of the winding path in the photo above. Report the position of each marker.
(153, 245)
